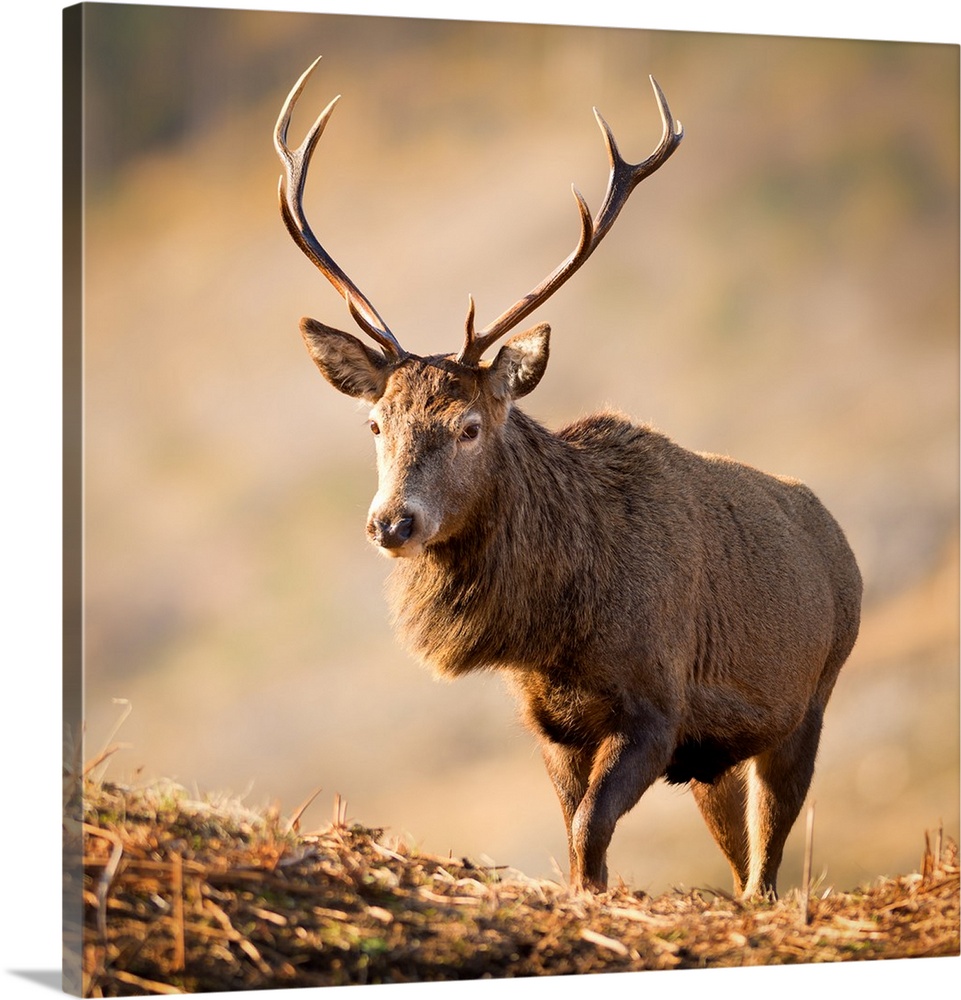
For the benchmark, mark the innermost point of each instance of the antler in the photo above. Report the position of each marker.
(623, 179)
(291, 193)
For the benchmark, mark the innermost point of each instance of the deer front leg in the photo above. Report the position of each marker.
(569, 768)
(624, 767)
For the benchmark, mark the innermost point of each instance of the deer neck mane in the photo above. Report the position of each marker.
(487, 597)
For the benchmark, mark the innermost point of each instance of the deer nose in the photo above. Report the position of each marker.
(390, 534)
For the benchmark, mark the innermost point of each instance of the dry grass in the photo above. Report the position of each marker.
(181, 895)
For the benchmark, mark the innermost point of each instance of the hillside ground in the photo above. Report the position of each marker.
(187, 896)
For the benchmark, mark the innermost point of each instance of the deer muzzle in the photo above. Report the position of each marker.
(399, 528)
(390, 534)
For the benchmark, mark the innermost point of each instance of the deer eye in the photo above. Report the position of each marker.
(470, 432)
(374, 426)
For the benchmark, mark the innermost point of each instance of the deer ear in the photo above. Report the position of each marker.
(347, 363)
(522, 360)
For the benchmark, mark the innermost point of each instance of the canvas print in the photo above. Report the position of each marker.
(465, 579)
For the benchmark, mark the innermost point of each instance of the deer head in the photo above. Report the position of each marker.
(438, 421)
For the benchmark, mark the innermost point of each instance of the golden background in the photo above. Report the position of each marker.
(785, 290)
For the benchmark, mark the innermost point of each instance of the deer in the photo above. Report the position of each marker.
(658, 613)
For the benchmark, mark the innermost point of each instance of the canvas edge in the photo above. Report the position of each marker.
(72, 496)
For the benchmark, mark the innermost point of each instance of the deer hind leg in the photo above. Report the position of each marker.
(723, 805)
(778, 781)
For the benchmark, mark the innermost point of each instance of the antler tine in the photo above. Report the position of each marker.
(291, 192)
(624, 177)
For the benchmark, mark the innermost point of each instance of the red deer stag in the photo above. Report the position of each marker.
(658, 612)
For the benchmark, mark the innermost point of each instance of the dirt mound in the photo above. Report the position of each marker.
(181, 895)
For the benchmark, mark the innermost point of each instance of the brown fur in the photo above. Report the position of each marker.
(659, 613)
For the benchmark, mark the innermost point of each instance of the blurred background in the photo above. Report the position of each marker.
(785, 291)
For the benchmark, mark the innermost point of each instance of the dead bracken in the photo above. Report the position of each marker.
(188, 896)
